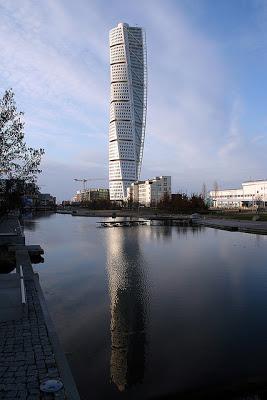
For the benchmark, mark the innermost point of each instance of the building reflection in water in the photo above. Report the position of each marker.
(165, 232)
(128, 307)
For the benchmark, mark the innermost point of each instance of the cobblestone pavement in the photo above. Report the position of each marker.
(26, 354)
(10, 225)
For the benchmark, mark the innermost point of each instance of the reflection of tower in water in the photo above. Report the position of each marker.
(126, 286)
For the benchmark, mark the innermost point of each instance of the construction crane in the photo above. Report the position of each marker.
(90, 179)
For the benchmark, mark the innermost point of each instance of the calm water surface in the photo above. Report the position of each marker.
(145, 312)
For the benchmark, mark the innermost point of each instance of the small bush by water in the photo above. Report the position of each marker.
(7, 260)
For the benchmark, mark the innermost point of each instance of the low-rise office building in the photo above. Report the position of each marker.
(28, 193)
(39, 201)
(91, 195)
(252, 194)
(150, 191)
(45, 199)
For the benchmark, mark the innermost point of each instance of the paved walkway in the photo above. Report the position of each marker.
(29, 347)
(26, 353)
(10, 225)
(10, 297)
(10, 231)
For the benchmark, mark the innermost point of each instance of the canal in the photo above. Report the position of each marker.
(149, 312)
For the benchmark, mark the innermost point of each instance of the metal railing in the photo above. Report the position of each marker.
(22, 286)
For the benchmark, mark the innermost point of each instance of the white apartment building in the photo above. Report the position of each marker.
(150, 191)
(252, 194)
(128, 103)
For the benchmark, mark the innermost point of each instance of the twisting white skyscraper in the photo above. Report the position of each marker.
(128, 99)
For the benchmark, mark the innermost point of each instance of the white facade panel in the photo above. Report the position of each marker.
(120, 110)
(127, 107)
(117, 54)
(119, 91)
(126, 150)
(118, 73)
(114, 151)
(115, 36)
(115, 170)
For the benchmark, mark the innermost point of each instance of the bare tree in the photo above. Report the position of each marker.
(215, 190)
(204, 191)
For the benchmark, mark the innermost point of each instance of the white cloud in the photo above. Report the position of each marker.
(234, 136)
(62, 173)
(259, 138)
(55, 56)
(37, 58)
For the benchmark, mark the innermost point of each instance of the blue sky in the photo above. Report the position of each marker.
(207, 93)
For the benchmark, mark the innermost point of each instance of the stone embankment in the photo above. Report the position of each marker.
(257, 227)
(142, 213)
(82, 212)
(30, 352)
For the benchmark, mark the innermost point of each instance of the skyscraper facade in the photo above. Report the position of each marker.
(128, 99)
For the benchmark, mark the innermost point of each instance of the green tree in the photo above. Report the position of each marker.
(181, 202)
(19, 164)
